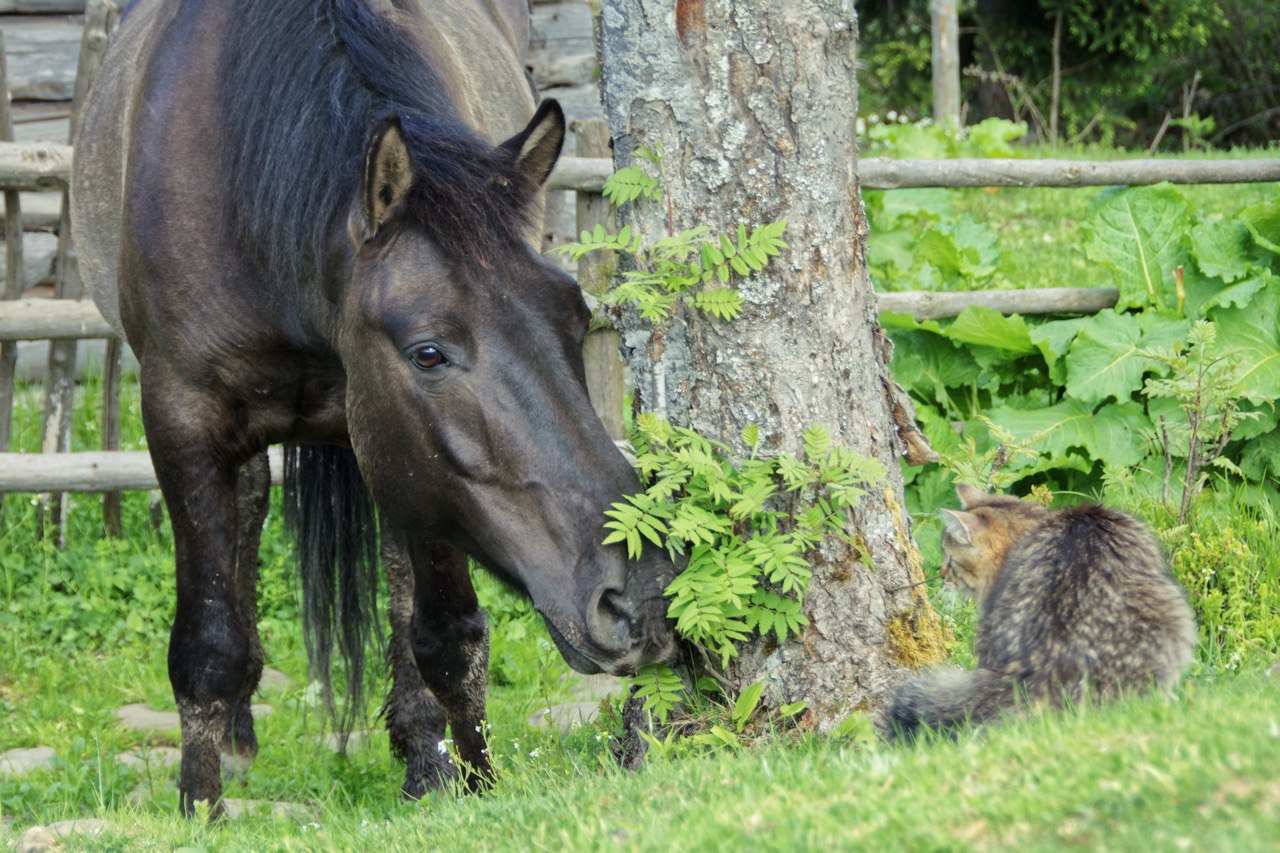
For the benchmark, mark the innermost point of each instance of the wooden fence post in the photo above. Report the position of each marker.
(946, 62)
(13, 274)
(60, 384)
(600, 350)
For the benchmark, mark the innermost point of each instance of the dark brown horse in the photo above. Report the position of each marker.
(290, 210)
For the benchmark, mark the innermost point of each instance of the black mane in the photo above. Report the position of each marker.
(304, 82)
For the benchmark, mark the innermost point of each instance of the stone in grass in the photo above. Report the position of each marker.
(276, 808)
(155, 758)
(595, 687)
(273, 681)
(38, 839)
(19, 762)
(143, 719)
(565, 715)
(358, 739)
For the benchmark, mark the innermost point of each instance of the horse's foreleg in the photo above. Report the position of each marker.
(415, 720)
(443, 637)
(253, 489)
(210, 647)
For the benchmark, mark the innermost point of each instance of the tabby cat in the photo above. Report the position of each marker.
(1074, 604)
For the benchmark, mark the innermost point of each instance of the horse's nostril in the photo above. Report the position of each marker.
(609, 623)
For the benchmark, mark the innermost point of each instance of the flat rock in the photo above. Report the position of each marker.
(239, 808)
(565, 715)
(273, 681)
(18, 762)
(594, 687)
(88, 826)
(143, 719)
(358, 739)
(157, 757)
(37, 839)
(139, 717)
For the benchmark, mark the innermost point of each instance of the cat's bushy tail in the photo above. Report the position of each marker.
(945, 698)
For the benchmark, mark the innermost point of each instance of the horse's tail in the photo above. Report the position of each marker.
(328, 511)
(946, 698)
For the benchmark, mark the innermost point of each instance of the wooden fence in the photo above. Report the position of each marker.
(67, 320)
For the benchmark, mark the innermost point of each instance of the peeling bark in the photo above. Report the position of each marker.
(754, 103)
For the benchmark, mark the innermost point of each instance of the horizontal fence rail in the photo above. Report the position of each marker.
(92, 471)
(41, 319)
(880, 173)
(928, 305)
(47, 166)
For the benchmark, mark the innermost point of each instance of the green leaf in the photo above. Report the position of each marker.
(817, 441)
(630, 183)
(792, 709)
(1112, 432)
(751, 435)
(1138, 234)
(1263, 222)
(1106, 360)
(1205, 293)
(1254, 332)
(748, 699)
(986, 327)
(1222, 249)
(1054, 340)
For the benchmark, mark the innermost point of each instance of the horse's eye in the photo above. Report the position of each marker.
(428, 356)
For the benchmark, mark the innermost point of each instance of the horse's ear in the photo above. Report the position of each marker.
(536, 148)
(388, 172)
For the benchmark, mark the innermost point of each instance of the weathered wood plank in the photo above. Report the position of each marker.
(42, 54)
(57, 319)
(924, 305)
(879, 173)
(91, 471)
(41, 7)
(37, 166)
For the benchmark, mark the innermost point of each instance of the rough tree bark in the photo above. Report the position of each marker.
(754, 102)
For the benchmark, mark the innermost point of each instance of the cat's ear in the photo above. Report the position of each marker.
(969, 495)
(959, 526)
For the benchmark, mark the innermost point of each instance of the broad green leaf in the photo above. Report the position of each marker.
(1106, 361)
(939, 249)
(1222, 249)
(1261, 457)
(1054, 339)
(1205, 293)
(929, 365)
(1254, 332)
(1139, 235)
(1263, 222)
(1112, 433)
(989, 328)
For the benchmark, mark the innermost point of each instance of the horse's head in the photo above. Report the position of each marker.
(466, 399)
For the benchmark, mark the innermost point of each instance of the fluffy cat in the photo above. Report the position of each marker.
(1076, 603)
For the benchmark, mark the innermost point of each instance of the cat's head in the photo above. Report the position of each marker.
(976, 538)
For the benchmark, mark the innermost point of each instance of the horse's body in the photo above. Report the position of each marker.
(288, 273)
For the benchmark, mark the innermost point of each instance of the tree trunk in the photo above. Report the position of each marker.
(754, 102)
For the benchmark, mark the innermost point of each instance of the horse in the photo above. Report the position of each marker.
(294, 213)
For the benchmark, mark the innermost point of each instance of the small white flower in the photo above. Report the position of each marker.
(892, 115)
(364, 823)
(442, 747)
(536, 752)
